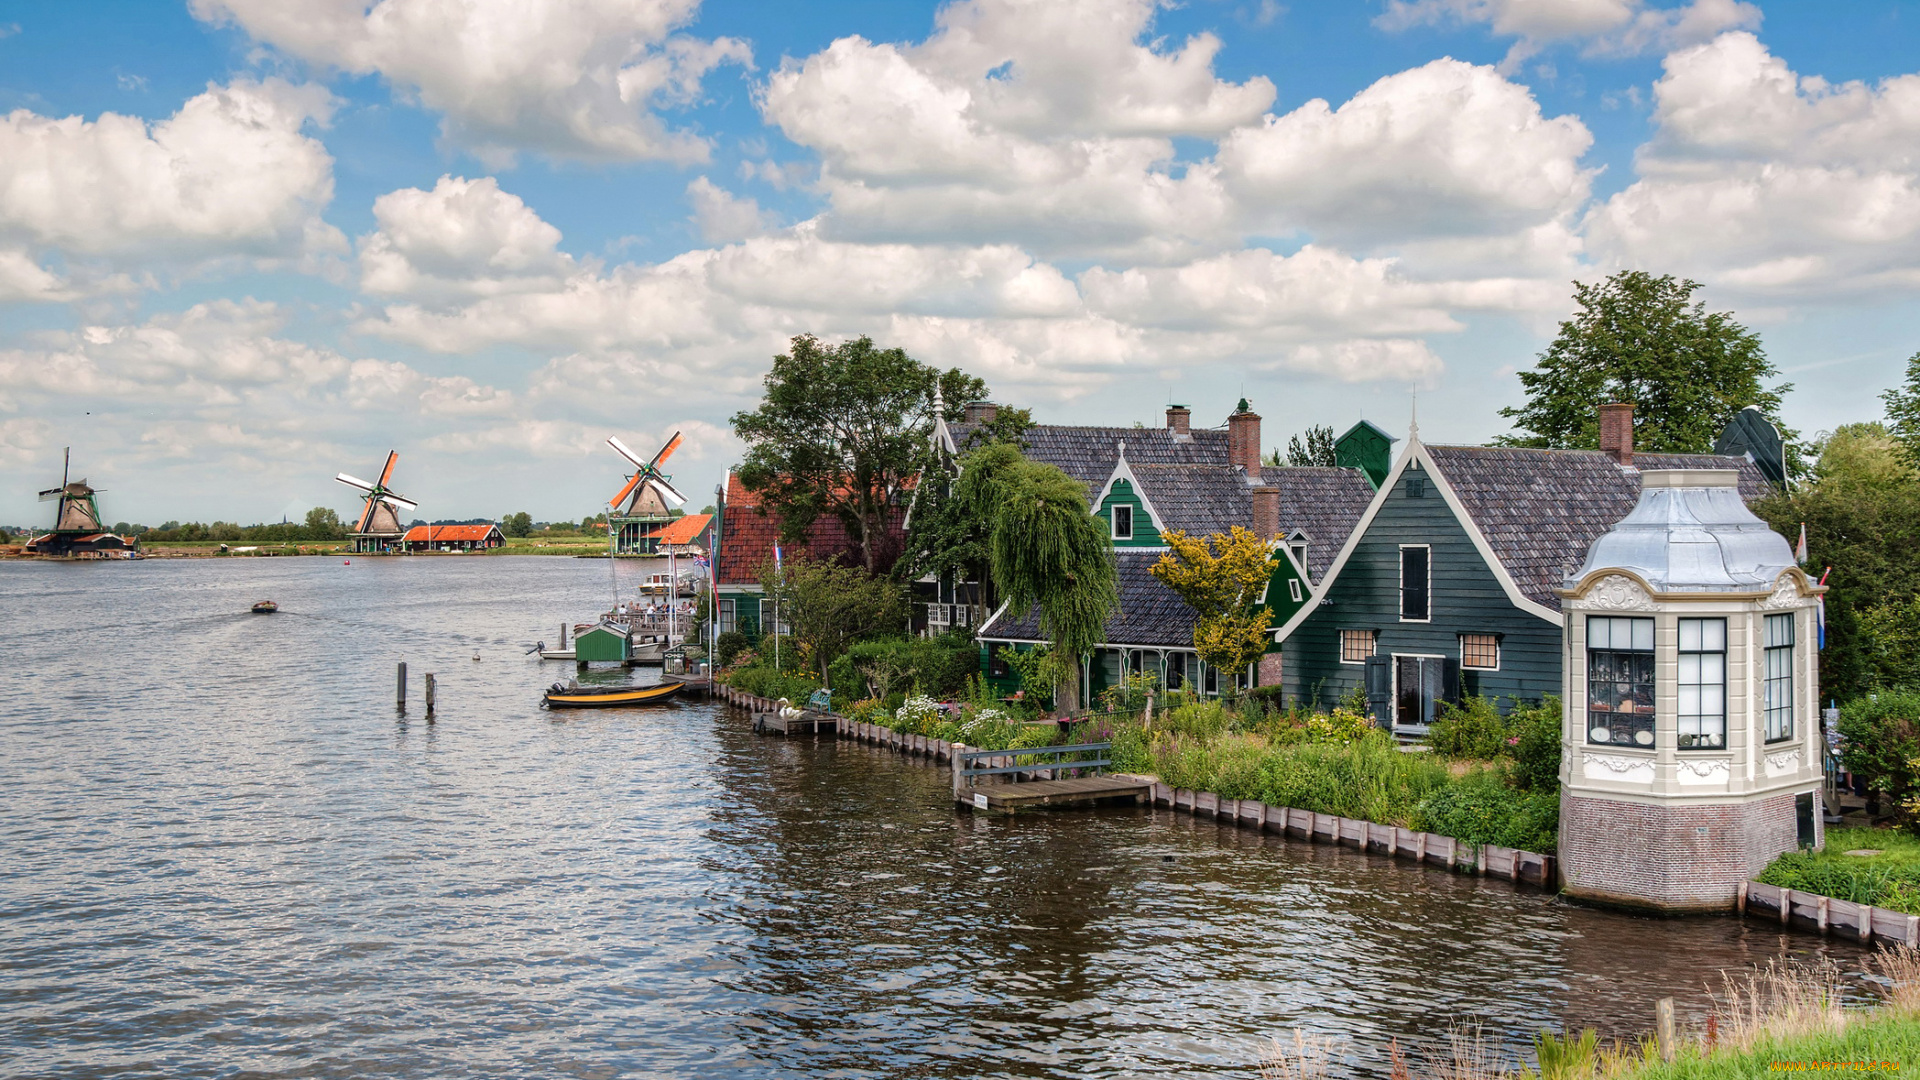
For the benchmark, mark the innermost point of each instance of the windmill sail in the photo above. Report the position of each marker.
(380, 512)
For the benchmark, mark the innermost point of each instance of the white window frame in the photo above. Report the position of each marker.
(1293, 590)
(1497, 650)
(1768, 680)
(1393, 659)
(1681, 684)
(1113, 514)
(1373, 645)
(1400, 598)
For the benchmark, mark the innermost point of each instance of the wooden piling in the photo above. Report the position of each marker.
(429, 695)
(400, 688)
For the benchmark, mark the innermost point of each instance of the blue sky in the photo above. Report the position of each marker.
(245, 244)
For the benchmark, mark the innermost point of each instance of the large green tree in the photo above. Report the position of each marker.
(842, 430)
(830, 606)
(1861, 510)
(1644, 339)
(1221, 577)
(1047, 550)
(1903, 411)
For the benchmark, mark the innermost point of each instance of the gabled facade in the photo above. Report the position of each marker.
(453, 538)
(1446, 587)
(1200, 483)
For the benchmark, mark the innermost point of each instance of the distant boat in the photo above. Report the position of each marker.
(575, 696)
(265, 607)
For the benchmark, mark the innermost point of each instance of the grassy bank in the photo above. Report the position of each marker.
(1887, 876)
(1763, 1021)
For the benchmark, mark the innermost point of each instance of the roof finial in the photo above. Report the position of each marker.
(1413, 428)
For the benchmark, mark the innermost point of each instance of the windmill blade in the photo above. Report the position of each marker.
(666, 451)
(51, 494)
(354, 481)
(386, 474)
(628, 490)
(667, 491)
(366, 516)
(395, 500)
(614, 441)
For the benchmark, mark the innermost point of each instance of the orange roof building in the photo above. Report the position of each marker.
(453, 538)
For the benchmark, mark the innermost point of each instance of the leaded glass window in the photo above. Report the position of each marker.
(1620, 681)
(1703, 684)
(1779, 674)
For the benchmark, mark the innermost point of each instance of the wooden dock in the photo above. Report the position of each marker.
(807, 723)
(1078, 791)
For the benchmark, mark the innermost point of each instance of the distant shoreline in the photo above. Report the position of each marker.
(211, 550)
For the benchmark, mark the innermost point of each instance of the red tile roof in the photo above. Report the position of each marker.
(747, 533)
(451, 534)
(682, 530)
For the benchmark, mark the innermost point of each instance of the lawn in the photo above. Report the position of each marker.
(1890, 878)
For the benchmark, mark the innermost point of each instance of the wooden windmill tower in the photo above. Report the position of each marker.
(645, 503)
(379, 528)
(76, 524)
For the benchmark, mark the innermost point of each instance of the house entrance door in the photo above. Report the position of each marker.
(1419, 684)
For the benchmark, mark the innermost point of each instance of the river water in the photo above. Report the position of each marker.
(223, 854)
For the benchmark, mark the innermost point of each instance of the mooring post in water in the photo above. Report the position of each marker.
(1663, 1026)
(429, 695)
(400, 688)
(959, 764)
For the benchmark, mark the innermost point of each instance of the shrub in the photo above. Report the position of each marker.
(768, 683)
(1470, 728)
(1882, 735)
(1537, 749)
(728, 647)
(1482, 810)
(938, 667)
(1341, 726)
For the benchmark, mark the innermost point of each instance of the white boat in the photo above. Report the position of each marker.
(556, 654)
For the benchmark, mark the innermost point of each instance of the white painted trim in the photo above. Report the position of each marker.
(1353, 541)
(1499, 650)
(1340, 644)
(1122, 471)
(1113, 522)
(981, 633)
(1428, 548)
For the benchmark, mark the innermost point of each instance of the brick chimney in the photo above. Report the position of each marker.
(1266, 511)
(1616, 432)
(981, 412)
(1243, 439)
(1178, 419)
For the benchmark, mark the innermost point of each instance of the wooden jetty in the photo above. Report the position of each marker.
(1038, 777)
(815, 718)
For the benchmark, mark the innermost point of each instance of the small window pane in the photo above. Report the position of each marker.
(1642, 634)
(1414, 583)
(1356, 646)
(1779, 631)
(1293, 590)
(1703, 684)
(1778, 693)
(1123, 523)
(1481, 651)
(1620, 682)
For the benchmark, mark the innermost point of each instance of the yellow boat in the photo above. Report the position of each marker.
(574, 696)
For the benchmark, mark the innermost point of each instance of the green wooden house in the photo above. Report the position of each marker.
(1446, 586)
(1146, 482)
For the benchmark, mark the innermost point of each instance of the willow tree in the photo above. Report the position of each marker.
(1048, 551)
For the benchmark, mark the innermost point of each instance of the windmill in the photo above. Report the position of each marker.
(379, 523)
(645, 503)
(76, 524)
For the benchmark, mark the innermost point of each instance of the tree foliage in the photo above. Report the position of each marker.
(1221, 577)
(953, 515)
(842, 430)
(1903, 411)
(1313, 447)
(324, 524)
(830, 606)
(1862, 514)
(1643, 339)
(518, 524)
(1048, 550)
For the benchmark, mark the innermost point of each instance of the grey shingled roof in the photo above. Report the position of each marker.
(1088, 453)
(1325, 504)
(1203, 499)
(1150, 613)
(1541, 509)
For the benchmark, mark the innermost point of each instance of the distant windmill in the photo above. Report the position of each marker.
(379, 523)
(76, 524)
(646, 502)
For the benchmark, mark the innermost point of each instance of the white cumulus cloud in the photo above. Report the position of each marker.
(568, 78)
(463, 238)
(1604, 27)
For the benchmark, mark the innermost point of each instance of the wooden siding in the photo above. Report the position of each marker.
(1280, 602)
(1144, 534)
(1466, 598)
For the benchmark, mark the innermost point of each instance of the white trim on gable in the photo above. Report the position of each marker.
(1122, 471)
(1416, 452)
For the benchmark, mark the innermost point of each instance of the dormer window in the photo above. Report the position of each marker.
(1123, 523)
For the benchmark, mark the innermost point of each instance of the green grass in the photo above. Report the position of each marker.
(1889, 880)
(1883, 1037)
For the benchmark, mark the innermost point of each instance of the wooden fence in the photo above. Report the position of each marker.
(1825, 915)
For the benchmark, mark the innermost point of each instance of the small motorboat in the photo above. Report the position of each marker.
(265, 607)
(574, 696)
